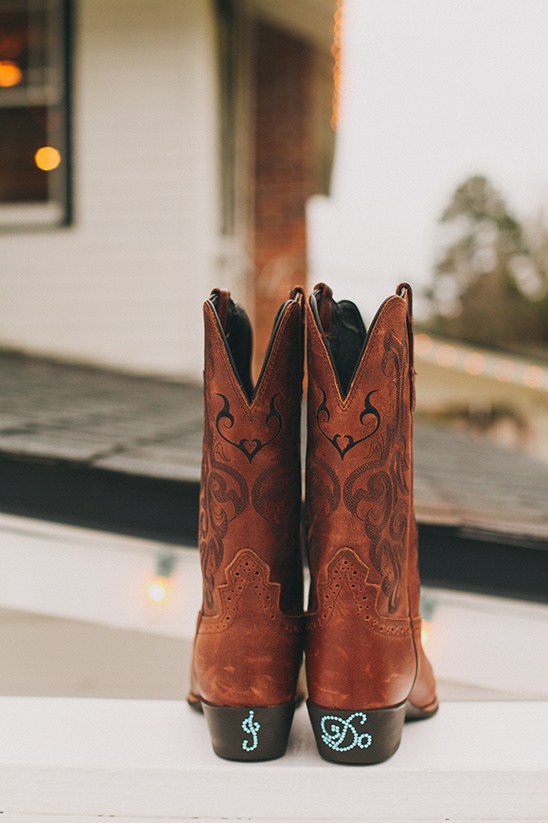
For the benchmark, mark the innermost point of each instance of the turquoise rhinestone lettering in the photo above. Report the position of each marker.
(342, 731)
(251, 727)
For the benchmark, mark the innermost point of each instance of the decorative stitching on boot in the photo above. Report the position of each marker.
(346, 568)
(377, 499)
(224, 494)
(322, 494)
(376, 504)
(248, 570)
(276, 497)
(368, 409)
(257, 444)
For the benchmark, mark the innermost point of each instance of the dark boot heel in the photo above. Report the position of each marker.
(258, 733)
(368, 736)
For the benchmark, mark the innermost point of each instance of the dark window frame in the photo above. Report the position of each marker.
(56, 210)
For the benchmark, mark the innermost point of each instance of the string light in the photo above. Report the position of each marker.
(159, 585)
(533, 377)
(157, 589)
(336, 52)
(423, 344)
(504, 370)
(476, 363)
(446, 355)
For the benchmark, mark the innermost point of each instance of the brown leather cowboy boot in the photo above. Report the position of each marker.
(248, 644)
(364, 658)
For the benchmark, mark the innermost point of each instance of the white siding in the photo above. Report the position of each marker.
(124, 285)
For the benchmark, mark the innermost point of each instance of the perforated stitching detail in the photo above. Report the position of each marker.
(248, 570)
(346, 567)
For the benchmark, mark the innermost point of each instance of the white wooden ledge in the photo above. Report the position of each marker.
(65, 759)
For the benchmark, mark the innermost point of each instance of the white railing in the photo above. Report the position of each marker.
(80, 759)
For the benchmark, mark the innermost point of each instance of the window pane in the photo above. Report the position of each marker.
(32, 107)
(22, 133)
(23, 45)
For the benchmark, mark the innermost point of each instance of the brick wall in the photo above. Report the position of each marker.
(284, 173)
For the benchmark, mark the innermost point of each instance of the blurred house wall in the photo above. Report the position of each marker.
(498, 394)
(123, 286)
(200, 130)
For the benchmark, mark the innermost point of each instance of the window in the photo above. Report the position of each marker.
(34, 106)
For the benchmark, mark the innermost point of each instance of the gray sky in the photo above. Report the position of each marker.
(433, 91)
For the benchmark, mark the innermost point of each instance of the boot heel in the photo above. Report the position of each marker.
(258, 733)
(368, 736)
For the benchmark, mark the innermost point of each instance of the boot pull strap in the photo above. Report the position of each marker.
(223, 300)
(296, 291)
(325, 307)
(405, 291)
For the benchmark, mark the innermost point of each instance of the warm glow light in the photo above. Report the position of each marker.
(475, 363)
(10, 74)
(423, 344)
(157, 589)
(47, 158)
(504, 370)
(446, 355)
(533, 377)
(424, 637)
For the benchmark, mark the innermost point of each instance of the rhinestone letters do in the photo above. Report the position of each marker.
(251, 727)
(341, 730)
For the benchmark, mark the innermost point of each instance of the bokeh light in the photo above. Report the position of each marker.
(47, 158)
(10, 74)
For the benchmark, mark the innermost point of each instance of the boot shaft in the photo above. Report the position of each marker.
(364, 603)
(359, 451)
(251, 474)
(248, 644)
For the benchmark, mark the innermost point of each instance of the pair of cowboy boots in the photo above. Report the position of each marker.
(365, 665)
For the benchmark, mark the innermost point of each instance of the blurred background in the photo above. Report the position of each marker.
(151, 150)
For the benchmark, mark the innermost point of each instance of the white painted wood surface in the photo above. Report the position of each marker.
(77, 759)
(96, 577)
